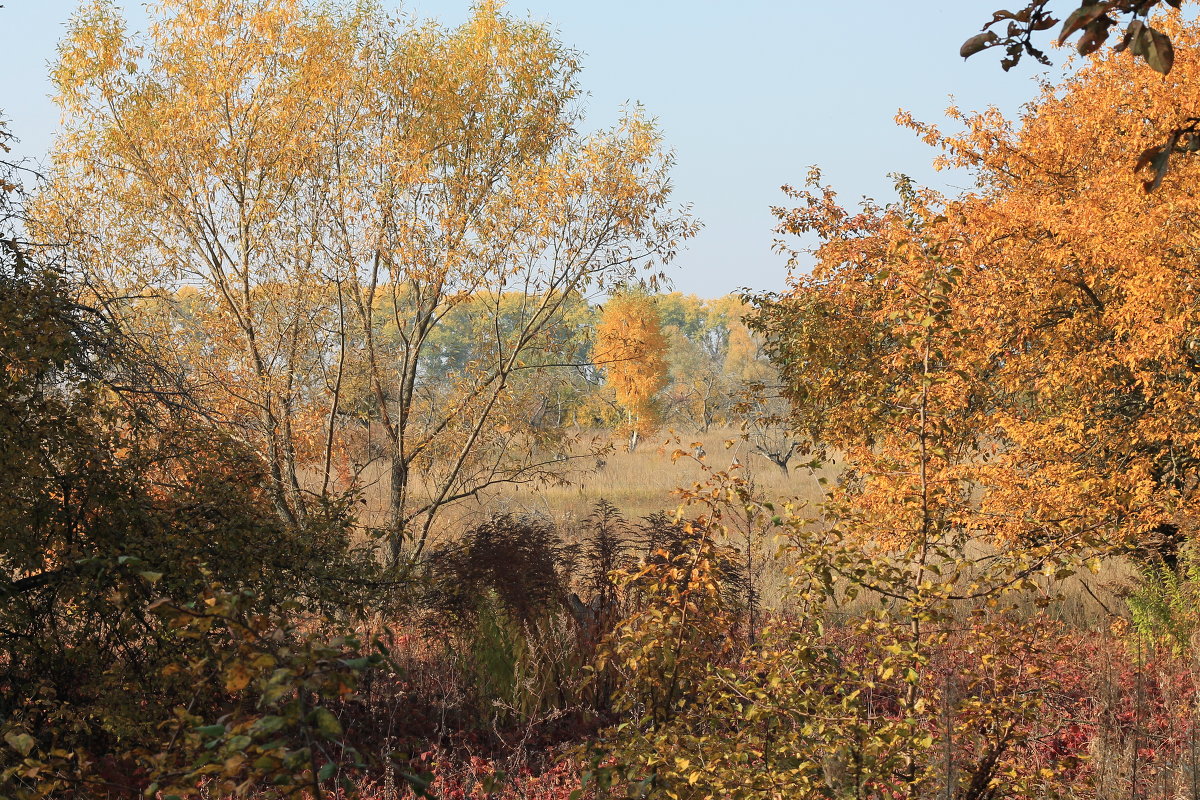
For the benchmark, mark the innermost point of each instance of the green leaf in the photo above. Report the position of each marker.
(211, 730)
(326, 723)
(21, 742)
(268, 725)
(240, 742)
(326, 771)
(152, 577)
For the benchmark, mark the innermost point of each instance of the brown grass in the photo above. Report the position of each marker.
(638, 483)
(648, 479)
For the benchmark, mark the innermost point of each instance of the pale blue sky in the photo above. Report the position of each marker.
(749, 94)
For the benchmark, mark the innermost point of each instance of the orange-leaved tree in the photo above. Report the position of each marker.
(887, 357)
(1064, 389)
(1083, 285)
(632, 350)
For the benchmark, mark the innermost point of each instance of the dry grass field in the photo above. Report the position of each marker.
(638, 483)
(648, 479)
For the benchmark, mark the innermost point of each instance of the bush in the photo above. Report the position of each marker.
(606, 546)
(1166, 604)
(118, 504)
(516, 561)
(667, 539)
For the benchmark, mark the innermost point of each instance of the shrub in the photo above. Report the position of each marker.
(118, 503)
(667, 539)
(606, 547)
(1166, 603)
(515, 561)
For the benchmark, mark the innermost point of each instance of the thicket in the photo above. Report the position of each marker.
(154, 619)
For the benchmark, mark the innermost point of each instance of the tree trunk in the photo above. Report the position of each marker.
(396, 522)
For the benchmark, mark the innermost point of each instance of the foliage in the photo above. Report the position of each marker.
(1051, 362)
(632, 349)
(122, 505)
(97, 690)
(713, 357)
(268, 681)
(517, 560)
(607, 548)
(1091, 20)
(1088, 326)
(707, 717)
(668, 539)
(316, 221)
(1163, 604)
(334, 184)
(823, 704)
(284, 733)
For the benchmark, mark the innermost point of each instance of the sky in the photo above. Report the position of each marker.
(748, 94)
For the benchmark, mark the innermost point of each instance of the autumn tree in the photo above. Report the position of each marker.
(1073, 418)
(184, 153)
(1101, 335)
(335, 183)
(632, 350)
(712, 358)
(884, 350)
(697, 389)
(1009, 376)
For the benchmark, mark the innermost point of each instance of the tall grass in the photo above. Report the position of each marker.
(639, 483)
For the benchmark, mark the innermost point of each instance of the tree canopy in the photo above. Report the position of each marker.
(332, 185)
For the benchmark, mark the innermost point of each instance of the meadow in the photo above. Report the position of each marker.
(639, 483)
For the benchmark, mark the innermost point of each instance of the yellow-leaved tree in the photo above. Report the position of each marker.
(632, 350)
(333, 183)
